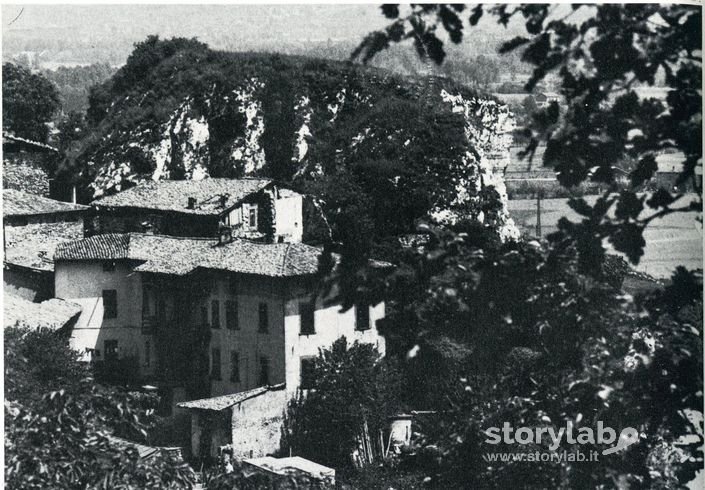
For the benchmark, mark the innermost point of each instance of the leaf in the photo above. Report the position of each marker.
(476, 15)
(390, 10)
(660, 199)
(580, 206)
(513, 44)
(628, 239)
(628, 206)
(644, 170)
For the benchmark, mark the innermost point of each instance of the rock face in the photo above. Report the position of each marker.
(233, 115)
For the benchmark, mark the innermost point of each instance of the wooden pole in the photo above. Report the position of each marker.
(538, 215)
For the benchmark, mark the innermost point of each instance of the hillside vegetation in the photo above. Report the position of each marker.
(388, 149)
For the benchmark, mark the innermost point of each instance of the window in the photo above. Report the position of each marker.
(235, 367)
(215, 363)
(161, 310)
(204, 315)
(215, 314)
(307, 311)
(108, 266)
(362, 317)
(147, 354)
(109, 303)
(263, 370)
(253, 216)
(308, 372)
(111, 350)
(263, 318)
(231, 320)
(146, 310)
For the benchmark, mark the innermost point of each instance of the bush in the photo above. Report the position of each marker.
(353, 387)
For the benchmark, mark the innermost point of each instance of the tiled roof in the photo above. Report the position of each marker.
(178, 255)
(292, 464)
(18, 203)
(24, 177)
(226, 401)
(53, 313)
(103, 247)
(11, 138)
(173, 195)
(33, 245)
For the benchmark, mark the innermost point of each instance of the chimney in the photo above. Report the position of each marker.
(225, 234)
(224, 200)
(191, 203)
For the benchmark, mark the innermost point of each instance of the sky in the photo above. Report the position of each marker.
(82, 34)
(71, 30)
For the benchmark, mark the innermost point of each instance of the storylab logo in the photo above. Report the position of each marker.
(602, 435)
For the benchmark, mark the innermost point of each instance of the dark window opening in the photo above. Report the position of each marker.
(109, 303)
(308, 371)
(215, 363)
(231, 320)
(215, 314)
(111, 350)
(263, 371)
(362, 317)
(161, 310)
(235, 367)
(147, 354)
(253, 216)
(307, 311)
(263, 318)
(146, 310)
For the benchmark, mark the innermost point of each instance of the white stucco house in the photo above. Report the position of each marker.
(207, 318)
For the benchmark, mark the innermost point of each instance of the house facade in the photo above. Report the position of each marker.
(256, 209)
(204, 317)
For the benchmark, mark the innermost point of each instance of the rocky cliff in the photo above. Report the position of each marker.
(186, 112)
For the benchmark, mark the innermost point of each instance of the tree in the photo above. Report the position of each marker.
(600, 61)
(57, 423)
(29, 101)
(526, 338)
(353, 387)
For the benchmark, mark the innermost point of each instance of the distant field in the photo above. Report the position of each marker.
(673, 240)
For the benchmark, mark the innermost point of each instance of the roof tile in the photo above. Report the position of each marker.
(218, 403)
(18, 203)
(173, 195)
(179, 255)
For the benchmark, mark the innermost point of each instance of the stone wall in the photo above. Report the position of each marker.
(257, 423)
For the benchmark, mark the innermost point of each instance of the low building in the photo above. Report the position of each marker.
(279, 471)
(249, 422)
(54, 314)
(25, 164)
(253, 208)
(33, 226)
(21, 208)
(544, 99)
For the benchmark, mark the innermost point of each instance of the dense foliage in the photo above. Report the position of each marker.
(379, 151)
(29, 101)
(58, 422)
(515, 333)
(600, 54)
(73, 84)
(354, 387)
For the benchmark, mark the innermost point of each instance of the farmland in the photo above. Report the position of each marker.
(673, 240)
